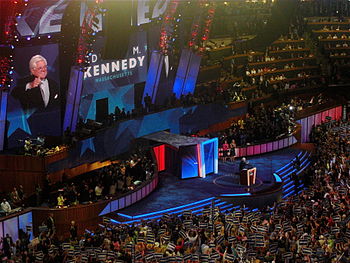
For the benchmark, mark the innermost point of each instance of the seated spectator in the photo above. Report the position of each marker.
(5, 206)
(14, 196)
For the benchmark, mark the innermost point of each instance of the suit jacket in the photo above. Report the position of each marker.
(32, 99)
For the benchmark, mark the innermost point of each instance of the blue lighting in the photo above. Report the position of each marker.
(292, 192)
(306, 165)
(160, 215)
(289, 188)
(285, 186)
(124, 215)
(234, 195)
(288, 163)
(167, 210)
(277, 178)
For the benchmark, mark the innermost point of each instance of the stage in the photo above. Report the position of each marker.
(174, 192)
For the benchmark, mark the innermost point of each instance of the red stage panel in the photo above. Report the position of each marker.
(159, 152)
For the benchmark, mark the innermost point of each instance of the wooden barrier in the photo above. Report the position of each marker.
(20, 169)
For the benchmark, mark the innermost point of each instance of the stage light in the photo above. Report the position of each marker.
(28, 38)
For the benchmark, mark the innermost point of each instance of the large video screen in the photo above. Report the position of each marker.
(41, 17)
(113, 80)
(34, 104)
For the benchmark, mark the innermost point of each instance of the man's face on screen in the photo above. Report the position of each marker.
(40, 70)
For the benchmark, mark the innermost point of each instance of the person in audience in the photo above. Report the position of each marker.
(98, 191)
(233, 148)
(5, 206)
(225, 150)
(50, 223)
(60, 200)
(73, 230)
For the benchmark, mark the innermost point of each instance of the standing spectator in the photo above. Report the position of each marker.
(7, 243)
(60, 200)
(73, 230)
(50, 222)
(98, 191)
(38, 192)
(21, 192)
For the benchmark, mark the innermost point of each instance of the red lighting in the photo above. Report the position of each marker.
(159, 153)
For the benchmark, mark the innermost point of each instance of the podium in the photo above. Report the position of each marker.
(248, 176)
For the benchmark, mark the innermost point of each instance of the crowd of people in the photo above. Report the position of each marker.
(107, 182)
(242, 18)
(312, 226)
(13, 201)
(263, 124)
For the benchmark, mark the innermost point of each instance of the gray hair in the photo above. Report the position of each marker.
(36, 59)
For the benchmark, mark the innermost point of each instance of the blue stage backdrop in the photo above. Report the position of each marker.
(114, 79)
(30, 121)
(117, 140)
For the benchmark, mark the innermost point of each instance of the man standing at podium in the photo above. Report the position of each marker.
(243, 164)
(247, 173)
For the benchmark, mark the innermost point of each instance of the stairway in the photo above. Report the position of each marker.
(285, 173)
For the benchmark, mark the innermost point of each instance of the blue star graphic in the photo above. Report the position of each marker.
(87, 144)
(18, 120)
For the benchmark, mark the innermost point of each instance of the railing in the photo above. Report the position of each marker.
(267, 146)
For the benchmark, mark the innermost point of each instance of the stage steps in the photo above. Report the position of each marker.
(286, 172)
(194, 208)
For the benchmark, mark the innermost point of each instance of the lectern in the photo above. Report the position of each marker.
(248, 176)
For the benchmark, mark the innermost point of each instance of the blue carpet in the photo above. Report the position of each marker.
(172, 191)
